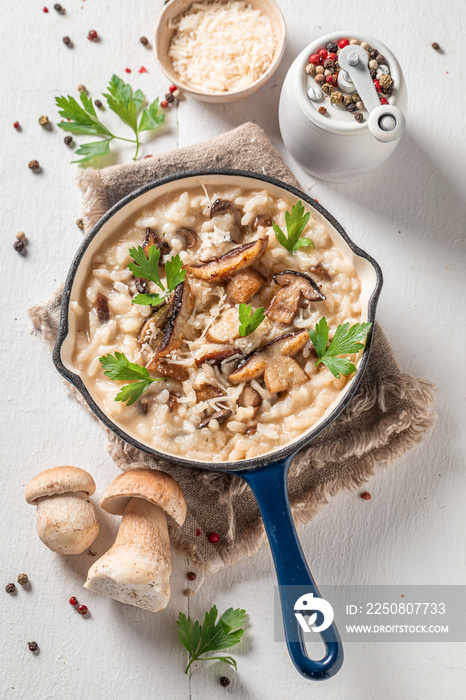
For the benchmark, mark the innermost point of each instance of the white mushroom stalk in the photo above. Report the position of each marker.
(136, 569)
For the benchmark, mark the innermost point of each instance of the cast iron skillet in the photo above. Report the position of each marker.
(267, 474)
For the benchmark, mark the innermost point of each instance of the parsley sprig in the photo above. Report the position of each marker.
(295, 225)
(119, 368)
(148, 269)
(125, 103)
(211, 635)
(248, 320)
(347, 340)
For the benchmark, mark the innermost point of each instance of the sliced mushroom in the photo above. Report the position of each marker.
(181, 306)
(220, 416)
(242, 286)
(275, 362)
(172, 401)
(155, 321)
(208, 391)
(250, 397)
(190, 237)
(320, 271)
(218, 269)
(143, 406)
(153, 238)
(225, 328)
(141, 285)
(101, 308)
(295, 286)
(214, 359)
(261, 220)
(169, 369)
(224, 206)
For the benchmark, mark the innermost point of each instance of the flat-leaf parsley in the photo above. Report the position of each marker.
(347, 340)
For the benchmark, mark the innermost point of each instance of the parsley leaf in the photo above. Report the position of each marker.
(148, 269)
(248, 320)
(119, 368)
(211, 635)
(347, 340)
(125, 103)
(295, 225)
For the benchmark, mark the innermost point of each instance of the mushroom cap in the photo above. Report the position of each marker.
(59, 480)
(154, 486)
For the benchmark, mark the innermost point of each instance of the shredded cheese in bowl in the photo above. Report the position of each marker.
(219, 47)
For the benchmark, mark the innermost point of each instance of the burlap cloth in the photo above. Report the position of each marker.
(388, 416)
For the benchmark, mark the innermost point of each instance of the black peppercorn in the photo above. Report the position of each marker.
(59, 8)
(19, 247)
(359, 117)
(68, 140)
(328, 63)
(191, 576)
(380, 59)
(373, 74)
(67, 41)
(332, 47)
(98, 104)
(351, 107)
(169, 97)
(224, 682)
(10, 587)
(33, 646)
(374, 53)
(144, 40)
(33, 165)
(435, 46)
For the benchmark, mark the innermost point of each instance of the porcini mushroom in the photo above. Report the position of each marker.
(250, 398)
(261, 220)
(190, 237)
(181, 304)
(136, 569)
(153, 238)
(275, 362)
(66, 519)
(224, 206)
(296, 286)
(219, 269)
(225, 328)
(243, 285)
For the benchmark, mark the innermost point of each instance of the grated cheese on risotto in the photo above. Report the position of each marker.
(221, 46)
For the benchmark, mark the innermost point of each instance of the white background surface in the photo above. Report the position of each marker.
(408, 215)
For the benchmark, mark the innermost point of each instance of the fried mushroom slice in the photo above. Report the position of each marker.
(224, 206)
(274, 361)
(181, 305)
(296, 286)
(261, 220)
(250, 397)
(213, 359)
(225, 328)
(155, 321)
(219, 269)
(190, 237)
(220, 416)
(101, 308)
(321, 271)
(208, 391)
(153, 238)
(169, 369)
(242, 286)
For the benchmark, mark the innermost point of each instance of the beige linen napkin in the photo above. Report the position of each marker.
(388, 416)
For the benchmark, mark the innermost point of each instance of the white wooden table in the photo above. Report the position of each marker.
(409, 215)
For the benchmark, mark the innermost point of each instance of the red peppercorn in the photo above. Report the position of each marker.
(198, 532)
(82, 610)
(365, 495)
(148, 156)
(331, 79)
(333, 56)
(213, 537)
(315, 59)
(142, 70)
(172, 88)
(164, 104)
(191, 576)
(73, 600)
(17, 126)
(342, 43)
(45, 9)
(384, 101)
(127, 70)
(377, 85)
(93, 36)
(323, 53)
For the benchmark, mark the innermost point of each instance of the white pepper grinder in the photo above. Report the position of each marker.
(353, 124)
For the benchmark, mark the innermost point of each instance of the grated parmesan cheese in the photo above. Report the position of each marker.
(221, 46)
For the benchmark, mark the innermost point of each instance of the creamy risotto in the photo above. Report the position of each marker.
(224, 397)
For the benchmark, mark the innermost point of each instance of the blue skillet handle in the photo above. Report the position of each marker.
(269, 485)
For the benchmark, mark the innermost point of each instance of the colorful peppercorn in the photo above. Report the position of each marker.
(383, 101)
(332, 47)
(224, 682)
(385, 81)
(351, 107)
(331, 79)
(191, 576)
(23, 579)
(310, 69)
(61, 10)
(10, 588)
(336, 97)
(322, 111)
(34, 165)
(314, 58)
(67, 41)
(82, 88)
(365, 495)
(93, 36)
(377, 85)
(98, 103)
(380, 59)
(144, 40)
(44, 120)
(342, 43)
(17, 126)
(82, 609)
(68, 140)
(359, 117)
(80, 224)
(435, 46)
(213, 537)
(164, 104)
(33, 646)
(73, 601)
(320, 78)
(323, 53)
(347, 99)
(188, 592)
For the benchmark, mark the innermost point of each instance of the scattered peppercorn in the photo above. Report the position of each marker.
(17, 126)
(73, 600)
(188, 592)
(20, 236)
(92, 35)
(373, 53)
(336, 97)
(127, 70)
(342, 43)
(327, 88)
(332, 47)
(68, 140)
(34, 165)
(310, 69)
(359, 117)
(435, 46)
(323, 111)
(33, 646)
(143, 69)
(328, 63)
(19, 246)
(164, 104)
(355, 97)
(365, 495)
(213, 537)
(98, 103)
(144, 40)
(191, 576)
(351, 107)
(198, 532)
(45, 9)
(380, 58)
(82, 88)
(176, 93)
(67, 41)
(347, 99)
(169, 98)
(44, 120)
(23, 579)
(61, 10)
(82, 609)
(383, 101)
(385, 81)
(224, 682)
(365, 45)
(373, 74)
(10, 588)
(80, 224)
(353, 42)
(359, 105)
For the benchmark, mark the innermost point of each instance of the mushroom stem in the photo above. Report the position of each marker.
(67, 522)
(136, 569)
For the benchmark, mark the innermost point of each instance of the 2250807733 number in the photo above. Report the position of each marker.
(405, 608)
